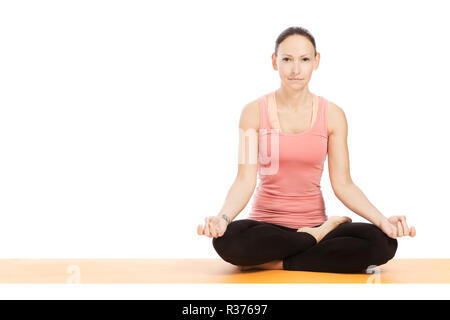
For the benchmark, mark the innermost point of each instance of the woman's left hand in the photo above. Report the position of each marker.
(396, 226)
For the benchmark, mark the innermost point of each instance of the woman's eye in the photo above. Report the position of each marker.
(285, 59)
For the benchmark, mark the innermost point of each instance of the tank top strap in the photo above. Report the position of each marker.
(322, 117)
(266, 121)
(263, 113)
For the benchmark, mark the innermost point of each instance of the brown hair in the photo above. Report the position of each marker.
(292, 31)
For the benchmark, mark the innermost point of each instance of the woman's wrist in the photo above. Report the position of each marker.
(381, 221)
(226, 218)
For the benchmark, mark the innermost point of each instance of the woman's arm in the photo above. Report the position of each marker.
(339, 169)
(245, 182)
(237, 198)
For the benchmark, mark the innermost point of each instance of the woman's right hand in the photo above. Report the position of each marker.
(214, 227)
(396, 227)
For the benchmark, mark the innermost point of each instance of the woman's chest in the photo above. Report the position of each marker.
(305, 148)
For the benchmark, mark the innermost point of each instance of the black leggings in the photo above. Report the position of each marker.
(349, 248)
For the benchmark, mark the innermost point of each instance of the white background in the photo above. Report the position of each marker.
(119, 119)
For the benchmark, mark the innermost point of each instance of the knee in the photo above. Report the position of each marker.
(225, 245)
(383, 248)
(220, 244)
(229, 250)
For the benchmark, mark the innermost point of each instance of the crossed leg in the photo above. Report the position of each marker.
(248, 242)
(349, 248)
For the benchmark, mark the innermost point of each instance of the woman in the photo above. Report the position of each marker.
(291, 131)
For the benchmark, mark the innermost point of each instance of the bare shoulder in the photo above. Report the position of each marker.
(250, 116)
(336, 119)
(248, 143)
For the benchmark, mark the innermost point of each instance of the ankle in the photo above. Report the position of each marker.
(314, 232)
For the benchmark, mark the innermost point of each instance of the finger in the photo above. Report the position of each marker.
(211, 228)
(216, 231)
(399, 229)
(412, 232)
(406, 230)
(200, 229)
(394, 231)
(207, 232)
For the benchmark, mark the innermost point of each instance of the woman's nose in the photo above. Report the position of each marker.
(297, 68)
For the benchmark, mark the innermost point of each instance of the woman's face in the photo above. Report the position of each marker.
(295, 61)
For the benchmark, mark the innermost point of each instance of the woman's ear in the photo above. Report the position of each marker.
(274, 62)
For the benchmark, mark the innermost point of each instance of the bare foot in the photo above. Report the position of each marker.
(324, 229)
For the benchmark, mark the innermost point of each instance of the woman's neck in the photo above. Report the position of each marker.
(293, 100)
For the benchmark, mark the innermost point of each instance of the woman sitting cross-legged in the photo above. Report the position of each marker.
(290, 131)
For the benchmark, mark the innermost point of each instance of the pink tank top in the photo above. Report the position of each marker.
(290, 168)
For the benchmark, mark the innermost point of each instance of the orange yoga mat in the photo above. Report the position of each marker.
(98, 271)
